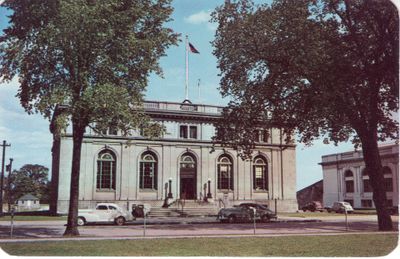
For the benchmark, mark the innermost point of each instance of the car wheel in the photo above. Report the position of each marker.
(304, 210)
(231, 219)
(120, 221)
(265, 219)
(81, 221)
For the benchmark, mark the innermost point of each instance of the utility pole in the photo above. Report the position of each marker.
(4, 145)
(9, 169)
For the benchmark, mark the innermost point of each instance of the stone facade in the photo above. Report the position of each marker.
(345, 180)
(313, 192)
(181, 164)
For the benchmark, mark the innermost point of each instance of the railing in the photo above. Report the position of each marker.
(187, 107)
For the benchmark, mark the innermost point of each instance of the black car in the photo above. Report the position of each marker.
(245, 213)
(313, 206)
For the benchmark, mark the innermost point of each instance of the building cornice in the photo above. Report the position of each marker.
(353, 160)
(175, 141)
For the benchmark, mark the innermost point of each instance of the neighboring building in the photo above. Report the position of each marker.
(346, 180)
(313, 192)
(181, 164)
(28, 202)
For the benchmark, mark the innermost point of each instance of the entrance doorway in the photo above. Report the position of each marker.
(188, 177)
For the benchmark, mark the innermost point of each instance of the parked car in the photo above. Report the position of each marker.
(244, 213)
(139, 210)
(340, 207)
(104, 212)
(313, 206)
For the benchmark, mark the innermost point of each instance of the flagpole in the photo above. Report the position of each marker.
(187, 69)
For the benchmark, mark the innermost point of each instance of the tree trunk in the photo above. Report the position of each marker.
(373, 166)
(55, 167)
(72, 227)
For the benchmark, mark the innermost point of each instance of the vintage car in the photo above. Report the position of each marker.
(313, 206)
(104, 212)
(140, 210)
(340, 207)
(245, 213)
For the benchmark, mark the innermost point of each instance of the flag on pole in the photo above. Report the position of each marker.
(193, 49)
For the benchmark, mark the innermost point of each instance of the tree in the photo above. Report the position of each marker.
(29, 179)
(315, 68)
(93, 58)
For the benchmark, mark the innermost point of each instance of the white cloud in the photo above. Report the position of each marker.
(198, 18)
(202, 17)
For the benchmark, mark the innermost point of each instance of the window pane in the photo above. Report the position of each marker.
(225, 180)
(193, 132)
(257, 136)
(388, 184)
(265, 136)
(350, 186)
(183, 131)
(148, 175)
(367, 185)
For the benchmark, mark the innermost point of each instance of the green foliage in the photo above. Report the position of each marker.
(313, 67)
(92, 57)
(316, 68)
(87, 62)
(31, 179)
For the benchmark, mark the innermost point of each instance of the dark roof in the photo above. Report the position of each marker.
(28, 196)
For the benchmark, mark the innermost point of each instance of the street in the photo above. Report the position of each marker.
(192, 227)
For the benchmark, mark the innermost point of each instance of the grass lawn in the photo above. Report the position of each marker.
(33, 218)
(340, 245)
(309, 214)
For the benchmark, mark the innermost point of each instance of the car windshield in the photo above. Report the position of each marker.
(346, 203)
(251, 205)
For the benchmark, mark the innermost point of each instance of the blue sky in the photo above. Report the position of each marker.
(29, 134)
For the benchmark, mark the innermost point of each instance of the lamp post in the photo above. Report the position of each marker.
(170, 188)
(4, 145)
(209, 196)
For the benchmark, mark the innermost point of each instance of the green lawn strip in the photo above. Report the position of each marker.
(337, 245)
(33, 218)
(322, 214)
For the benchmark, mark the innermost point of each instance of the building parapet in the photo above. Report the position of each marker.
(384, 150)
(182, 107)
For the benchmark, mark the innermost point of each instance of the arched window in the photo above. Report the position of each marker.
(225, 173)
(366, 183)
(349, 181)
(148, 171)
(388, 178)
(260, 174)
(106, 167)
(187, 161)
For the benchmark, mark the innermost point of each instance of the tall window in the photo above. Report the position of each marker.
(366, 182)
(260, 176)
(225, 173)
(388, 181)
(349, 181)
(148, 171)
(106, 164)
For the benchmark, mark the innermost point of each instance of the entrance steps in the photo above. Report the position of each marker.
(190, 209)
